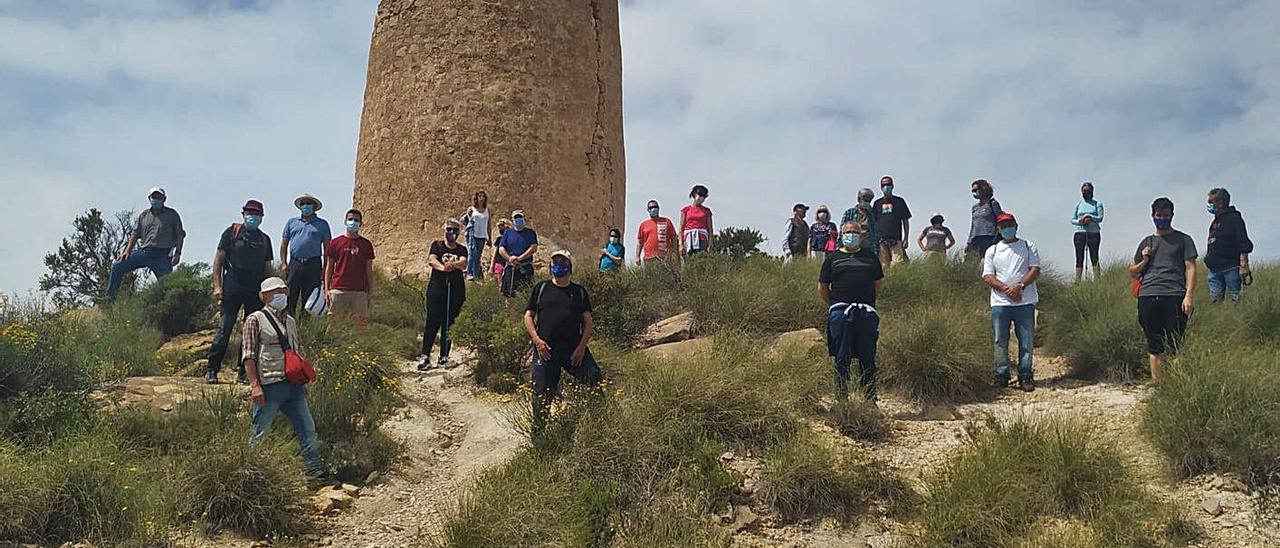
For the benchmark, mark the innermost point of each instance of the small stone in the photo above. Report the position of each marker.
(166, 407)
(1233, 485)
(727, 456)
(352, 490)
(744, 518)
(373, 477)
(446, 443)
(437, 452)
(1211, 506)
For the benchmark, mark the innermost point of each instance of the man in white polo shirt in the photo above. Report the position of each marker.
(1010, 268)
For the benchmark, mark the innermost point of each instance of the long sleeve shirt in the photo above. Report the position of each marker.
(1092, 208)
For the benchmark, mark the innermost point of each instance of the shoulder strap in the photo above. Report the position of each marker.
(235, 230)
(538, 298)
(280, 334)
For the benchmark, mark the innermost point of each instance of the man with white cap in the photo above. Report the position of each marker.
(558, 320)
(155, 243)
(517, 246)
(302, 250)
(264, 358)
(240, 264)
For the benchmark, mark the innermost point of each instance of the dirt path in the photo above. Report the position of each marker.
(923, 439)
(451, 433)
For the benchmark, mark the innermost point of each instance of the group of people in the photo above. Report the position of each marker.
(854, 261)
(333, 276)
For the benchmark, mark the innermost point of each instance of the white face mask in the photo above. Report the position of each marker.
(278, 301)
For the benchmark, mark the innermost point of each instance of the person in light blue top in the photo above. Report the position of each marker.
(612, 253)
(302, 250)
(1087, 218)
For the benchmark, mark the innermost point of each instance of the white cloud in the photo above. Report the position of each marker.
(767, 102)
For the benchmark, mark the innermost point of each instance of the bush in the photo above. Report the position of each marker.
(492, 327)
(936, 352)
(255, 489)
(83, 488)
(992, 492)
(804, 477)
(116, 344)
(1215, 408)
(43, 390)
(400, 300)
(760, 294)
(739, 243)
(181, 302)
(670, 523)
(1095, 327)
(957, 283)
(860, 420)
(620, 309)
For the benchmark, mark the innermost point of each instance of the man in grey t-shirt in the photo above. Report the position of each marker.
(1165, 262)
(155, 243)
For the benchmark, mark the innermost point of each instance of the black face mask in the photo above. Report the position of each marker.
(1088, 194)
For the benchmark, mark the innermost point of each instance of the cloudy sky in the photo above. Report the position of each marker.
(766, 102)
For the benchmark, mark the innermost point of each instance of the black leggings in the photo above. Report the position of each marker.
(437, 309)
(1090, 240)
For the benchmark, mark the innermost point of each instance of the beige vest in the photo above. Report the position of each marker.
(270, 354)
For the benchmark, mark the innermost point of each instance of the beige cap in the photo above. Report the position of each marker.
(562, 253)
(273, 283)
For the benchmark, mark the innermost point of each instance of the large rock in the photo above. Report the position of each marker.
(190, 344)
(521, 99)
(691, 347)
(162, 393)
(805, 338)
(673, 329)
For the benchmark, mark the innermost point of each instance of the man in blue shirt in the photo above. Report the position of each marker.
(517, 246)
(302, 250)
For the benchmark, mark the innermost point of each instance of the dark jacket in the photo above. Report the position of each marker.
(1228, 239)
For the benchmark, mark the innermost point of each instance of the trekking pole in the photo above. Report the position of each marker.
(448, 309)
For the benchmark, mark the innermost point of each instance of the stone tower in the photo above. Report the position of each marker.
(520, 98)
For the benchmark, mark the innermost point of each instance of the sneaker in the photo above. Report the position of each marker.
(443, 361)
(211, 377)
(425, 364)
(1027, 385)
(1001, 382)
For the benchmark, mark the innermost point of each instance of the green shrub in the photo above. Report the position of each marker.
(804, 477)
(252, 488)
(1260, 305)
(83, 488)
(992, 492)
(43, 389)
(152, 433)
(759, 294)
(116, 344)
(492, 327)
(399, 300)
(181, 302)
(739, 243)
(861, 420)
(1094, 325)
(1215, 408)
(670, 523)
(916, 283)
(619, 309)
(936, 353)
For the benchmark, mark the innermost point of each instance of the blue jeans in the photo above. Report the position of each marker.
(290, 399)
(1226, 281)
(1023, 320)
(155, 258)
(852, 332)
(475, 247)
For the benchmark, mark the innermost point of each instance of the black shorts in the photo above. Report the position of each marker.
(1090, 240)
(1163, 322)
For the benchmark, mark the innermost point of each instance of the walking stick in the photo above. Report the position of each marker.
(448, 309)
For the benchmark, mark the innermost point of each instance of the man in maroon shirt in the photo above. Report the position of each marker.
(348, 271)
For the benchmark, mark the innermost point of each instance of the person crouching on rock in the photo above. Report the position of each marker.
(263, 357)
(850, 280)
(558, 320)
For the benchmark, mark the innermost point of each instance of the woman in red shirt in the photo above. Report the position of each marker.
(695, 223)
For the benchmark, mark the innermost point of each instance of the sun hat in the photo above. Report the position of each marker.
(271, 284)
(297, 202)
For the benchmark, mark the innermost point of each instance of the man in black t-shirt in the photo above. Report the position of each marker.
(850, 280)
(239, 266)
(892, 225)
(558, 320)
(446, 290)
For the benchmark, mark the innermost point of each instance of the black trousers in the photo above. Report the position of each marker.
(1090, 240)
(304, 277)
(442, 310)
(1163, 322)
(232, 303)
(515, 278)
(546, 378)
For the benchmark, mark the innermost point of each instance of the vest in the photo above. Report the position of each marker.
(798, 236)
(270, 354)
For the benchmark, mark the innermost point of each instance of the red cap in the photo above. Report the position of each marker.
(1005, 217)
(253, 206)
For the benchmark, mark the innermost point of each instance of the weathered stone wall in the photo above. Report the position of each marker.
(521, 98)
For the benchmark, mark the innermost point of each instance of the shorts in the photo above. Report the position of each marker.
(1163, 322)
(349, 303)
(1090, 240)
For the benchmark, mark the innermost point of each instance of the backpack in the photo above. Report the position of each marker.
(537, 297)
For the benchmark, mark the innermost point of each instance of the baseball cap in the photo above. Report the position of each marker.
(799, 206)
(156, 189)
(273, 283)
(252, 206)
(1005, 217)
(562, 253)
(517, 213)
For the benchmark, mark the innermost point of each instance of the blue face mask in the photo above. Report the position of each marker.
(518, 223)
(851, 240)
(1162, 224)
(1212, 210)
(156, 204)
(614, 239)
(888, 190)
(560, 270)
(278, 301)
(653, 212)
(1009, 232)
(252, 221)
(353, 226)
(307, 210)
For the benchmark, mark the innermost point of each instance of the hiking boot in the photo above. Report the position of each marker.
(1027, 385)
(211, 377)
(1001, 382)
(443, 361)
(425, 364)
